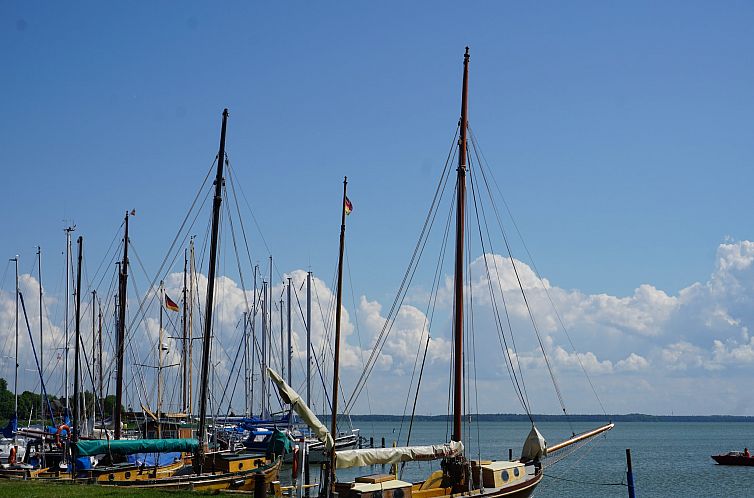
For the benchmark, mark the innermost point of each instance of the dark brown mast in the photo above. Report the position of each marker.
(210, 297)
(99, 361)
(338, 301)
(123, 281)
(184, 323)
(76, 350)
(460, 215)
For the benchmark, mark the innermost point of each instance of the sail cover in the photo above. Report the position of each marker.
(130, 446)
(373, 456)
(294, 399)
(535, 446)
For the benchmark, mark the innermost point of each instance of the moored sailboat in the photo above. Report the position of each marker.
(458, 473)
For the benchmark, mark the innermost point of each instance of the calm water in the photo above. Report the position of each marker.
(669, 459)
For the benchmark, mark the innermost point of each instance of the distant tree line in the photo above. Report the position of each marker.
(29, 404)
(516, 417)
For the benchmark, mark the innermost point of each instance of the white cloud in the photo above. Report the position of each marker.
(650, 338)
(633, 363)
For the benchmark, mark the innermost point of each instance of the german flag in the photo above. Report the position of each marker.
(170, 304)
(348, 206)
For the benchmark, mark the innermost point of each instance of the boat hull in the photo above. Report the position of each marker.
(240, 481)
(734, 458)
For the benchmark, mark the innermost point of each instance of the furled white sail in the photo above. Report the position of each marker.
(297, 403)
(535, 446)
(373, 456)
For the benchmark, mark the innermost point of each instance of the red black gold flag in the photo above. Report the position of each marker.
(170, 304)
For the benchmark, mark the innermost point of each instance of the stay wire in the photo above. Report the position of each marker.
(479, 152)
(534, 325)
(407, 277)
(428, 320)
(510, 366)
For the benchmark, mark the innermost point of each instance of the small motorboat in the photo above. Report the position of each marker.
(734, 458)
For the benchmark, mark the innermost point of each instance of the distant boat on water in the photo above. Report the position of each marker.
(734, 458)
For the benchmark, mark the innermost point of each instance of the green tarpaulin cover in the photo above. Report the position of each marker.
(128, 446)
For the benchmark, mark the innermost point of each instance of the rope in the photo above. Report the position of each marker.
(591, 483)
(406, 281)
(519, 385)
(483, 162)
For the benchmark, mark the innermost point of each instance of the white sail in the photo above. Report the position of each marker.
(297, 403)
(535, 446)
(373, 456)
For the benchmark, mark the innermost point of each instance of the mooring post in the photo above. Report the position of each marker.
(510, 454)
(630, 475)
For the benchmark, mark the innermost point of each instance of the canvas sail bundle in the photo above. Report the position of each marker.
(297, 403)
(374, 456)
(535, 447)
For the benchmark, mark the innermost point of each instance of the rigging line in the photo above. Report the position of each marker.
(151, 295)
(233, 236)
(231, 174)
(259, 228)
(356, 322)
(159, 273)
(473, 336)
(230, 374)
(235, 252)
(303, 322)
(407, 278)
(478, 151)
(424, 233)
(520, 386)
(326, 345)
(534, 325)
(573, 449)
(428, 319)
(107, 256)
(592, 483)
(346, 413)
(138, 375)
(322, 351)
(178, 233)
(467, 328)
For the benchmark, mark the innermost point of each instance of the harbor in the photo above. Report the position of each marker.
(303, 251)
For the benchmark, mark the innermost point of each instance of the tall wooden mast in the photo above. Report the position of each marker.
(123, 286)
(336, 363)
(206, 342)
(94, 361)
(41, 336)
(460, 215)
(184, 349)
(76, 349)
(15, 377)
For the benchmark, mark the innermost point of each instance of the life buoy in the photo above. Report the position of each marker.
(61, 428)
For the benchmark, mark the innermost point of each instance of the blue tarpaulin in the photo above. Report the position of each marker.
(153, 459)
(11, 427)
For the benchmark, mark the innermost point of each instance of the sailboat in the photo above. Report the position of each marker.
(210, 471)
(11, 446)
(510, 478)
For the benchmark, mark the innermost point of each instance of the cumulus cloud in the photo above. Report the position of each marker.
(649, 341)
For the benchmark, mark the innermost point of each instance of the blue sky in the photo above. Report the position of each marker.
(620, 133)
